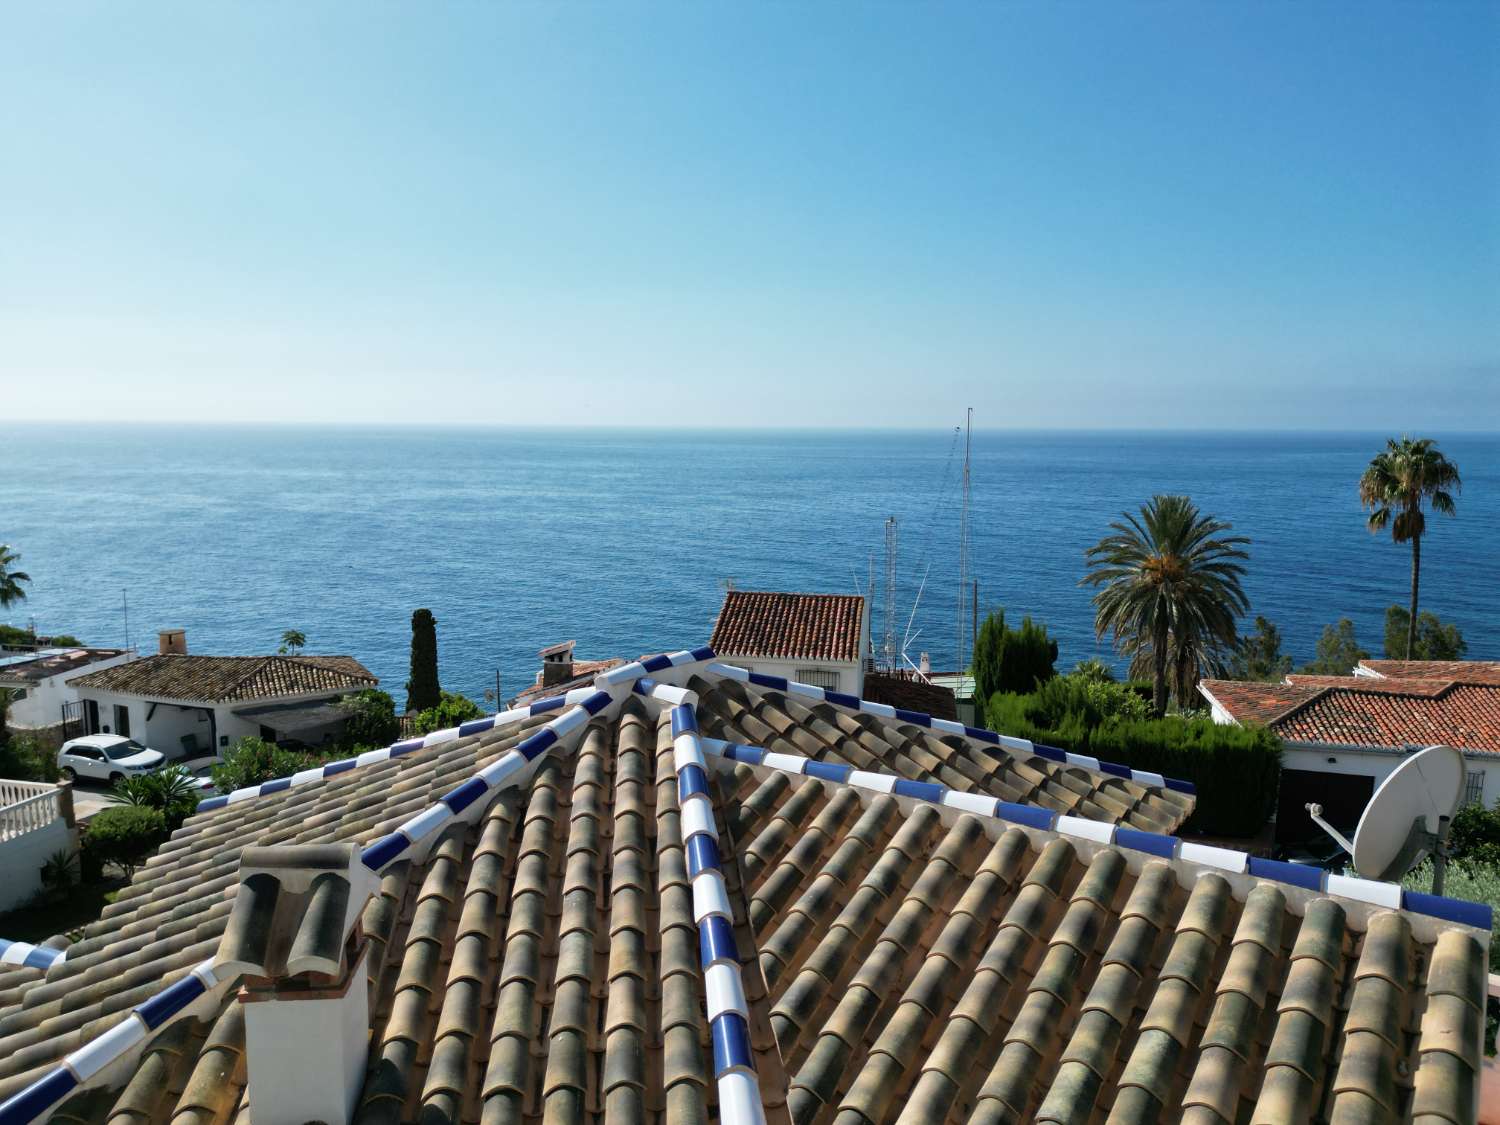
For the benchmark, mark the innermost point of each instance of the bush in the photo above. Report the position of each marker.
(1011, 660)
(124, 835)
(1474, 837)
(251, 761)
(27, 758)
(171, 791)
(372, 719)
(451, 710)
(1236, 769)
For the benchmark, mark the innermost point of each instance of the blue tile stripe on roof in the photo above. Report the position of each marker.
(1389, 895)
(728, 1010)
(948, 726)
(29, 955)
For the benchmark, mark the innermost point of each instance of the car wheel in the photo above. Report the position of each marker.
(116, 778)
(67, 773)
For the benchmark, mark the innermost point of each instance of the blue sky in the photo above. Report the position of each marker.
(1149, 215)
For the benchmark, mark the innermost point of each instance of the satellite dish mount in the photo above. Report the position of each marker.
(1407, 819)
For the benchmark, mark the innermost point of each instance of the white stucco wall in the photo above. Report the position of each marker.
(21, 858)
(44, 700)
(1379, 765)
(850, 673)
(171, 720)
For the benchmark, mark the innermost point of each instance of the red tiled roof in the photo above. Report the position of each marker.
(1362, 711)
(789, 626)
(1457, 671)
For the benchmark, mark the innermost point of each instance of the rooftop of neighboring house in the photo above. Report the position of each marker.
(687, 880)
(1455, 703)
(756, 623)
(229, 679)
(42, 664)
(584, 672)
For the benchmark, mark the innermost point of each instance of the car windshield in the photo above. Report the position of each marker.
(127, 749)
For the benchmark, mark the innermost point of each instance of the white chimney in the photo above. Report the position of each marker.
(924, 664)
(295, 934)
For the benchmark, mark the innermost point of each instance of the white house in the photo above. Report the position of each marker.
(818, 639)
(1343, 735)
(38, 681)
(185, 705)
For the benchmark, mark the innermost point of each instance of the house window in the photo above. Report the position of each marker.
(1474, 787)
(818, 677)
(91, 711)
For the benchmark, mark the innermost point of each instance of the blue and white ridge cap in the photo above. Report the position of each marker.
(1389, 895)
(30, 955)
(648, 664)
(412, 839)
(948, 726)
(728, 1010)
(398, 749)
(33, 1101)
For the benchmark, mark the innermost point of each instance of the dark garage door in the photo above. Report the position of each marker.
(1343, 797)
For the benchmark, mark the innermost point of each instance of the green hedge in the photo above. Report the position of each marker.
(1236, 769)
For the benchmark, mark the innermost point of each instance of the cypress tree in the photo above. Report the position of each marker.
(422, 690)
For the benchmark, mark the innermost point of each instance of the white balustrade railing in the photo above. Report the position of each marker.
(26, 806)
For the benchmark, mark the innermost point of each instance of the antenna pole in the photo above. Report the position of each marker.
(963, 541)
(125, 603)
(888, 645)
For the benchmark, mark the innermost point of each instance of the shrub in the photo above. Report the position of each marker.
(451, 710)
(59, 873)
(1236, 770)
(372, 719)
(27, 758)
(251, 761)
(124, 835)
(1011, 660)
(1474, 837)
(172, 791)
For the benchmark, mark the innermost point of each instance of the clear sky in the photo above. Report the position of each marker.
(1169, 214)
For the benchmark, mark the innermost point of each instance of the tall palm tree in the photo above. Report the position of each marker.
(10, 580)
(1393, 488)
(1169, 586)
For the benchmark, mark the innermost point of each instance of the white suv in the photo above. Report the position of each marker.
(105, 757)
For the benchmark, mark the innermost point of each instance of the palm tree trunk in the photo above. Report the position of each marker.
(1159, 669)
(1416, 569)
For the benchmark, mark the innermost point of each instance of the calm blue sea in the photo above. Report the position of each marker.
(624, 539)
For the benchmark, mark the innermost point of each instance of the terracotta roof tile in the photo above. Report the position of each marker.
(1457, 671)
(1364, 711)
(229, 679)
(901, 961)
(789, 626)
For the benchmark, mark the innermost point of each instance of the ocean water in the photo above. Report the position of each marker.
(625, 540)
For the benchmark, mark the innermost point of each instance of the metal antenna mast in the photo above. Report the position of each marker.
(963, 547)
(888, 645)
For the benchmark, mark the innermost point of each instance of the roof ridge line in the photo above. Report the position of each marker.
(949, 726)
(1169, 847)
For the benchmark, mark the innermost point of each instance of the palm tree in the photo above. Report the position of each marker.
(10, 580)
(292, 642)
(1169, 589)
(1393, 488)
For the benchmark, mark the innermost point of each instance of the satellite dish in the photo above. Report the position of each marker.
(1407, 818)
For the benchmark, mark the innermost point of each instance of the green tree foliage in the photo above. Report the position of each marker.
(1434, 640)
(372, 719)
(1474, 836)
(11, 579)
(1394, 487)
(1168, 582)
(292, 642)
(422, 690)
(1236, 769)
(251, 761)
(1337, 653)
(25, 757)
(1011, 660)
(1258, 656)
(124, 835)
(172, 791)
(1093, 670)
(451, 710)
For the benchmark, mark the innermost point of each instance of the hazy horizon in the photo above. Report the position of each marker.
(1167, 216)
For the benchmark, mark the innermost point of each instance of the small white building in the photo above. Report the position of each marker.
(187, 705)
(818, 639)
(1343, 735)
(38, 681)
